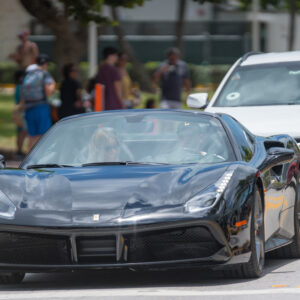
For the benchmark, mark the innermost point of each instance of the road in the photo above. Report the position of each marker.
(281, 279)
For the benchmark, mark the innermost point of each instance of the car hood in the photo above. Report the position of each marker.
(265, 120)
(73, 196)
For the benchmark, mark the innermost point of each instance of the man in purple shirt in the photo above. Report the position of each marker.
(109, 76)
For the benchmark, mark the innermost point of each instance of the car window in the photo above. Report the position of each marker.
(158, 137)
(242, 136)
(267, 84)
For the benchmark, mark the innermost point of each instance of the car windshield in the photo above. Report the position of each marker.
(257, 85)
(155, 137)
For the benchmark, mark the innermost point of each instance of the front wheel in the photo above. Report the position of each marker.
(254, 268)
(11, 278)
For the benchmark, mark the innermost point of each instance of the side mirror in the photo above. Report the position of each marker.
(2, 162)
(279, 155)
(198, 100)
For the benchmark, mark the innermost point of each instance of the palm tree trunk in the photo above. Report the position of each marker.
(180, 25)
(292, 11)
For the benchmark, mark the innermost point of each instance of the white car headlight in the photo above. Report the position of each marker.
(7, 208)
(209, 196)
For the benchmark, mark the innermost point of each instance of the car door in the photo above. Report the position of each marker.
(273, 183)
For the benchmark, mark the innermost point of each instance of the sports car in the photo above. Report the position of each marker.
(150, 189)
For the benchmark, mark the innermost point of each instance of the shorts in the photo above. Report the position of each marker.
(170, 104)
(38, 119)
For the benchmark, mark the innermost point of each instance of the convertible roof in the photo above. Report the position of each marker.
(269, 58)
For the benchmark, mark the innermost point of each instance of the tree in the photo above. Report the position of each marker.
(292, 12)
(181, 20)
(138, 67)
(68, 19)
(180, 24)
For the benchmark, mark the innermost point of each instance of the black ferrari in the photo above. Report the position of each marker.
(150, 189)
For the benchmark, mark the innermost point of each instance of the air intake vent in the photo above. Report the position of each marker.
(96, 250)
(270, 144)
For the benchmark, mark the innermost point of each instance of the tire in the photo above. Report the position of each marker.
(11, 278)
(291, 250)
(253, 268)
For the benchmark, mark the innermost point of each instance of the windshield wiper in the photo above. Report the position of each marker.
(107, 163)
(121, 163)
(46, 166)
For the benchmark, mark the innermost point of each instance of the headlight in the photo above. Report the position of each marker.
(209, 196)
(7, 208)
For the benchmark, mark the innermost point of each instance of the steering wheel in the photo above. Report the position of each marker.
(125, 153)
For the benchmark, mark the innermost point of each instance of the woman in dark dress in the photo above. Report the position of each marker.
(70, 93)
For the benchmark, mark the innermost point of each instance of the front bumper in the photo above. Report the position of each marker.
(163, 245)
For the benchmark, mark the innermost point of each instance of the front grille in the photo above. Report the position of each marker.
(155, 245)
(175, 244)
(19, 248)
(96, 250)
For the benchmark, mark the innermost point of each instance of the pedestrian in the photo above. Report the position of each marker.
(109, 76)
(70, 93)
(174, 75)
(18, 116)
(129, 95)
(37, 86)
(26, 53)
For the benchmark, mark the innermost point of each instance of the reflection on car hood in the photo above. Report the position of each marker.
(73, 195)
(266, 120)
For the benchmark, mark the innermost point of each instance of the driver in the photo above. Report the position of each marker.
(190, 137)
(104, 146)
(189, 144)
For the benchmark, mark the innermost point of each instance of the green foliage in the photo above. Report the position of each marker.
(7, 127)
(200, 74)
(91, 10)
(264, 4)
(7, 71)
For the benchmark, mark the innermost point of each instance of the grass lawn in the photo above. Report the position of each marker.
(7, 127)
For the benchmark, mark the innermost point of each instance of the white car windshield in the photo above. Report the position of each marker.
(137, 136)
(266, 84)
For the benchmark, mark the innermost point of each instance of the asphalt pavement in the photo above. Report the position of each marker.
(281, 280)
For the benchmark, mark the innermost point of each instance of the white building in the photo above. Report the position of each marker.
(207, 29)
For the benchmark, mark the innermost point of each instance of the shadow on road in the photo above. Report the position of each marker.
(111, 279)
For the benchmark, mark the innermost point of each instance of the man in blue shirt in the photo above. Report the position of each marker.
(37, 86)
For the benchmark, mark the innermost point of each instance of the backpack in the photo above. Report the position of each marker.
(32, 89)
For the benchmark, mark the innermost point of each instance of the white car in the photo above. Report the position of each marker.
(262, 91)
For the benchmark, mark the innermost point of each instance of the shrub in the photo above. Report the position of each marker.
(200, 74)
(7, 72)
